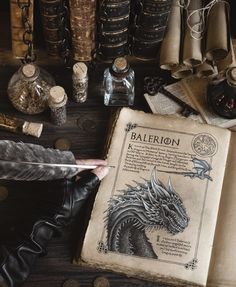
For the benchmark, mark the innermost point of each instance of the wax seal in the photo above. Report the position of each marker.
(71, 283)
(101, 282)
(3, 193)
(62, 144)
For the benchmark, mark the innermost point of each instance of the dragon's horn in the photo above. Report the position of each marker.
(151, 197)
(170, 187)
(158, 188)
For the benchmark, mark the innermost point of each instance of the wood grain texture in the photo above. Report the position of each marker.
(86, 129)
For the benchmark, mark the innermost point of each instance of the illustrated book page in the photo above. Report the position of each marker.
(222, 269)
(155, 213)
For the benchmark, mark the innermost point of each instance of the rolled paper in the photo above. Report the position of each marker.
(217, 38)
(192, 51)
(19, 48)
(170, 48)
(205, 70)
(181, 71)
(229, 61)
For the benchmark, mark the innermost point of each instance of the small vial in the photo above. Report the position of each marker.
(80, 82)
(57, 104)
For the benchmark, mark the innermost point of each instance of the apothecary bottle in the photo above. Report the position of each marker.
(118, 84)
(221, 95)
(80, 82)
(28, 89)
(57, 103)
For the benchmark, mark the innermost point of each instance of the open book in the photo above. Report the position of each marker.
(155, 214)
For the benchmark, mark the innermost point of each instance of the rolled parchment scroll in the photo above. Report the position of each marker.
(192, 51)
(181, 71)
(171, 44)
(217, 38)
(205, 70)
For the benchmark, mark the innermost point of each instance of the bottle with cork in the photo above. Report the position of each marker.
(221, 95)
(118, 84)
(57, 103)
(28, 89)
(80, 82)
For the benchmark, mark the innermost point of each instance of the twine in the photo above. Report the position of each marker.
(197, 30)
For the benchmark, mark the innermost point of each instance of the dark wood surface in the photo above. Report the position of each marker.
(86, 129)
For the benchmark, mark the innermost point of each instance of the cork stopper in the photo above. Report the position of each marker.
(120, 64)
(231, 76)
(80, 70)
(29, 70)
(33, 129)
(57, 97)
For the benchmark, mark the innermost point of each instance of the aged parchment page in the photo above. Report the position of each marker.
(155, 213)
(222, 269)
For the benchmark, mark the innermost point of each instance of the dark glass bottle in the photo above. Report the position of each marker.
(221, 95)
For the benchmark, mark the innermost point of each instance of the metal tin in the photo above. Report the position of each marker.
(114, 37)
(113, 51)
(145, 49)
(152, 20)
(114, 24)
(115, 10)
(152, 34)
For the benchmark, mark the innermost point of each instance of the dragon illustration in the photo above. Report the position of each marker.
(201, 167)
(147, 206)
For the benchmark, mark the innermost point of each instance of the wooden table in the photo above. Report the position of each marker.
(86, 129)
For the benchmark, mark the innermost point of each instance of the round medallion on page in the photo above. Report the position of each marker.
(204, 145)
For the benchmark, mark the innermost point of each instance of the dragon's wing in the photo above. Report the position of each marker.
(201, 166)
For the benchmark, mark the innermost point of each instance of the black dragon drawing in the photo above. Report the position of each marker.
(146, 206)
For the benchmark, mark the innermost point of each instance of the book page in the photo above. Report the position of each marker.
(222, 270)
(155, 213)
(197, 90)
(161, 104)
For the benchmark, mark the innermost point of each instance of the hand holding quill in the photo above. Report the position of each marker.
(21, 161)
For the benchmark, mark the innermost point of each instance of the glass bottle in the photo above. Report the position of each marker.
(118, 84)
(221, 95)
(80, 82)
(28, 89)
(57, 103)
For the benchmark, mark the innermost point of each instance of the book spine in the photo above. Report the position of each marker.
(19, 28)
(52, 18)
(83, 27)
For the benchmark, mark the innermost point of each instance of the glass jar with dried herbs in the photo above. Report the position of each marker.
(28, 89)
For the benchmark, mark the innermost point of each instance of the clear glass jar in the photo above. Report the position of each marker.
(118, 83)
(28, 89)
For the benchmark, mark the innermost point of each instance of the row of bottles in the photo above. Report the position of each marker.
(32, 89)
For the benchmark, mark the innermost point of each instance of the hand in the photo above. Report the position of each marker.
(101, 170)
